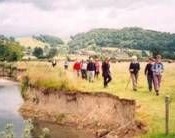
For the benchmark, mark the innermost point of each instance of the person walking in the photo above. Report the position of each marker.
(66, 64)
(149, 73)
(106, 72)
(134, 71)
(91, 70)
(54, 63)
(97, 68)
(77, 67)
(84, 69)
(157, 69)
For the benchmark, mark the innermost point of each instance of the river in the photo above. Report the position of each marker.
(10, 102)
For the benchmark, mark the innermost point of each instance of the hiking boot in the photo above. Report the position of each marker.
(157, 92)
(105, 86)
(134, 89)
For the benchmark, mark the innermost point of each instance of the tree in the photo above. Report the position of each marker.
(155, 51)
(144, 54)
(3, 51)
(132, 38)
(28, 50)
(52, 53)
(38, 52)
(10, 50)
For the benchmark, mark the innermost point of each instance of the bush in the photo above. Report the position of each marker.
(38, 52)
(10, 51)
(27, 131)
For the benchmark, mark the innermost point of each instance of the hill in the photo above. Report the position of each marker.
(31, 42)
(131, 38)
(53, 41)
(40, 41)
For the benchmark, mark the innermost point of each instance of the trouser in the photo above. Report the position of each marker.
(150, 81)
(157, 81)
(65, 66)
(78, 73)
(134, 78)
(107, 79)
(84, 74)
(97, 73)
(91, 76)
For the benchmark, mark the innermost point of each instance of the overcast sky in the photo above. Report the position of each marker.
(68, 17)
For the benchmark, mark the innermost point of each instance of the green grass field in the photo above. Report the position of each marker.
(150, 108)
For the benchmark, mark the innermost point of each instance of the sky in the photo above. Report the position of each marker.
(68, 17)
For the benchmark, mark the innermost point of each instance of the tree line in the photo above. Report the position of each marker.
(126, 38)
(10, 50)
(132, 38)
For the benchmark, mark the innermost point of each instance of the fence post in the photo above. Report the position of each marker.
(167, 102)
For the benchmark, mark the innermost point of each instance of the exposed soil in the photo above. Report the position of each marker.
(106, 115)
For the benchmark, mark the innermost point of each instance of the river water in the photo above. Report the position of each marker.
(10, 102)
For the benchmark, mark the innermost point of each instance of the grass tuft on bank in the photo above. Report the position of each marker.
(45, 77)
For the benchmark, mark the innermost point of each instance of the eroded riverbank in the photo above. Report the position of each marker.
(98, 112)
(11, 101)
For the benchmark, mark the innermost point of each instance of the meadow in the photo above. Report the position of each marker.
(150, 108)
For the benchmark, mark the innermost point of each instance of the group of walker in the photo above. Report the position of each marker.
(90, 69)
(153, 72)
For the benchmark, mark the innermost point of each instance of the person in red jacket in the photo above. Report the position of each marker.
(77, 67)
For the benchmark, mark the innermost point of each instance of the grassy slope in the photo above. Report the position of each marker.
(151, 109)
(29, 41)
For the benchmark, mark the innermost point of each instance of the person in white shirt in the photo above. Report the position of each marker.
(134, 71)
(84, 69)
(66, 64)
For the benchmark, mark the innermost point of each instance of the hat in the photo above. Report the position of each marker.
(107, 59)
(91, 59)
(158, 57)
(151, 59)
(134, 57)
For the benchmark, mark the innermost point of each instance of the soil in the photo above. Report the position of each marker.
(106, 115)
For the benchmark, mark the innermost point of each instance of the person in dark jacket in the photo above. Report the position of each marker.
(134, 71)
(91, 70)
(106, 72)
(149, 73)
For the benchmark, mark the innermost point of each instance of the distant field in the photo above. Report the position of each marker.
(29, 41)
(151, 107)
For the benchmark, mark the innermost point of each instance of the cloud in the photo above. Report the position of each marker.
(89, 4)
(68, 17)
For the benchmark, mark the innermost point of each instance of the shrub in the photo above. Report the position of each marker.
(27, 131)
